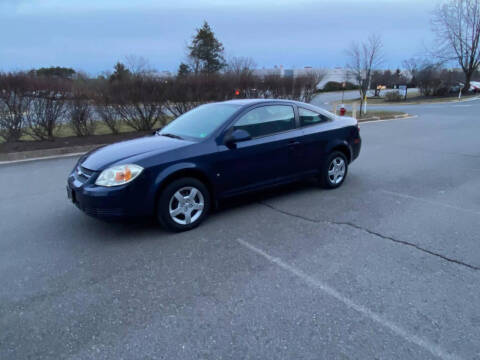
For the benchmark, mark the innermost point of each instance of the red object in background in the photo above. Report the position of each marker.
(342, 110)
(237, 92)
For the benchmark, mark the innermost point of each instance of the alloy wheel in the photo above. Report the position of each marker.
(186, 205)
(336, 170)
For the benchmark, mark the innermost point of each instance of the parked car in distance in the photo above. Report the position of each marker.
(210, 154)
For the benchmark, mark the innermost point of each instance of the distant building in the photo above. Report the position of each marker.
(336, 74)
(276, 70)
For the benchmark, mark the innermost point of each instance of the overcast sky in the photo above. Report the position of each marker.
(91, 35)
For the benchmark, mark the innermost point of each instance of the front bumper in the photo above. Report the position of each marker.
(123, 201)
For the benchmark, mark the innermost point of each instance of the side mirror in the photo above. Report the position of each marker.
(236, 136)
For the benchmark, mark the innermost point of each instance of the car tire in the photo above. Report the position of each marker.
(183, 204)
(334, 170)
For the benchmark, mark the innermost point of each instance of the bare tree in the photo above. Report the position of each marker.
(456, 24)
(138, 65)
(80, 111)
(15, 98)
(363, 58)
(47, 107)
(271, 86)
(412, 67)
(242, 79)
(183, 94)
(104, 106)
(241, 66)
(139, 101)
(310, 80)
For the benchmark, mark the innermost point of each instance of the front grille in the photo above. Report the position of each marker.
(83, 174)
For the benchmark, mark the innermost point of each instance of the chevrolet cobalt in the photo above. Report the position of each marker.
(211, 153)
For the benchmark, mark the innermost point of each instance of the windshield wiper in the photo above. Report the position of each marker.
(173, 136)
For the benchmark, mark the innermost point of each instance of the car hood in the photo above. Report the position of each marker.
(105, 156)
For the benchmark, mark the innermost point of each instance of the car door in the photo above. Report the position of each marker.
(264, 159)
(317, 130)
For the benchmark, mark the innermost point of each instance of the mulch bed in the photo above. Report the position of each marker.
(19, 146)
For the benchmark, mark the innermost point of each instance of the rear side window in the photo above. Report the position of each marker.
(266, 120)
(308, 117)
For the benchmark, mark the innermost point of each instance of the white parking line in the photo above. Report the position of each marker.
(314, 283)
(431, 202)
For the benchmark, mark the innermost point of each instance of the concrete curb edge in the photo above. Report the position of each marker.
(23, 156)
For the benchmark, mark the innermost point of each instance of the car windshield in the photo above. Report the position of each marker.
(200, 122)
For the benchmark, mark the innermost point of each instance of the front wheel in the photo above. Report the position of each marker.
(334, 170)
(183, 204)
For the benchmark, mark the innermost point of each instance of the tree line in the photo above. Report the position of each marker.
(37, 103)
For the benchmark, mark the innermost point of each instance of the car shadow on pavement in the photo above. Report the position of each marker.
(138, 229)
(265, 195)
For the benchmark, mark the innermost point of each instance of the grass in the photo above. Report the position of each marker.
(65, 130)
(100, 129)
(377, 115)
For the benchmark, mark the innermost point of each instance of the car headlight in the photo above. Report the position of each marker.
(118, 175)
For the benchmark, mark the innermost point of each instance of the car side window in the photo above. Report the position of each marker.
(308, 117)
(266, 120)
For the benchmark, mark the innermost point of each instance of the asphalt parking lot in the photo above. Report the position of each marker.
(385, 267)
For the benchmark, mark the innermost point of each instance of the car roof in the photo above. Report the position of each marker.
(250, 102)
(255, 101)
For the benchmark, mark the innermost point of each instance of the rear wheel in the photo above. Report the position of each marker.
(183, 204)
(334, 170)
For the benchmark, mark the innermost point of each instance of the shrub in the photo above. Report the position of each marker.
(104, 107)
(441, 91)
(80, 112)
(139, 101)
(181, 94)
(81, 119)
(309, 83)
(433, 80)
(47, 107)
(336, 86)
(15, 98)
(393, 96)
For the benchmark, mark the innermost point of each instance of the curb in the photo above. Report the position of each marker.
(396, 117)
(377, 118)
(428, 103)
(23, 156)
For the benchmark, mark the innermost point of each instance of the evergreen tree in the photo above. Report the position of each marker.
(206, 52)
(120, 72)
(183, 70)
(59, 72)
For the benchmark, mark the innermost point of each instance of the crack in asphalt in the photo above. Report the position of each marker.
(358, 227)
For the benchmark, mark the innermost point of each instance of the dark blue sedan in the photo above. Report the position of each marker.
(211, 153)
